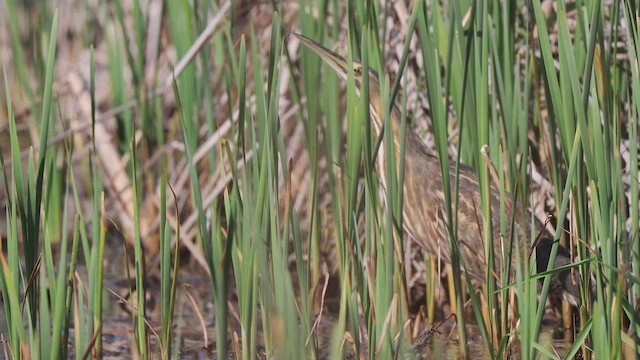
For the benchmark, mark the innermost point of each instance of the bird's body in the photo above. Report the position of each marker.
(425, 213)
(424, 216)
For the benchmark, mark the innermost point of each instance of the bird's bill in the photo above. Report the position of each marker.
(337, 62)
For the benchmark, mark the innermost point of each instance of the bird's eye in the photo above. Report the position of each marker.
(357, 71)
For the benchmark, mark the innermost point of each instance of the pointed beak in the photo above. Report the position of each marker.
(337, 62)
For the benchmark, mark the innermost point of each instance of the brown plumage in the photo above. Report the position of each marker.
(423, 208)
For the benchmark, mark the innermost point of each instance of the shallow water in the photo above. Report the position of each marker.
(118, 333)
(118, 338)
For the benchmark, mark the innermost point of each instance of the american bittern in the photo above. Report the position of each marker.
(424, 202)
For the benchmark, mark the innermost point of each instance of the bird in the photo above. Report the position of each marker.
(424, 217)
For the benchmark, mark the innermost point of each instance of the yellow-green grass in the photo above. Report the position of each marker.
(487, 80)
